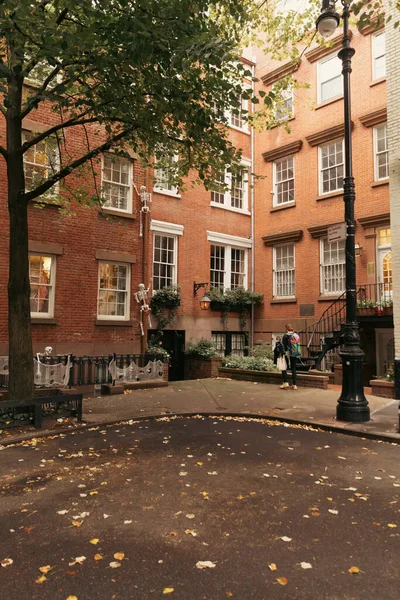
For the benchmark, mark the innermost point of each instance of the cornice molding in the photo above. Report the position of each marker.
(374, 220)
(315, 139)
(374, 118)
(280, 72)
(114, 256)
(319, 230)
(45, 248)
(321, 51)
(372, 28)
(276, 153)
(283, 238)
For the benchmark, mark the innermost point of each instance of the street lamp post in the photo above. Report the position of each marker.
(352, 404)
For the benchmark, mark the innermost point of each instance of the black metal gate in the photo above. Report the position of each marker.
(173, 342)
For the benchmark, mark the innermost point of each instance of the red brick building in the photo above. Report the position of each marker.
(270, 237)
(299, 272)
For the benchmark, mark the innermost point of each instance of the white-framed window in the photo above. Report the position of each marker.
(235, 196)
(42, 273)
(381, 152)
(41, 161)
(165, 253)
(284, 282)
(164, 174)
(283, 181)
(117, 182)
(378, 42)
(239, 119)
(228, 267)
(333, 268)
(331, 166)
(113, 291)
(284, 104)
(329, 78)
(164, 260)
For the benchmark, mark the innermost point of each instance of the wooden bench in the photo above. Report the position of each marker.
(72, 402)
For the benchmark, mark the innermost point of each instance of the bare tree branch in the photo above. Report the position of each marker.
(68, 169)
(63, 125)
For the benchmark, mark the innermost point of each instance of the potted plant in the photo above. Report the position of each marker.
(235, 300)
(379, 309)
(365, 307)
(202, 359)
(164, 304)
(387, 306)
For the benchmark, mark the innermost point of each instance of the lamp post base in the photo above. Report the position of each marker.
(352, 404)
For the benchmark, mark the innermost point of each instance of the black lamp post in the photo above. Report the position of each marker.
(352, 404)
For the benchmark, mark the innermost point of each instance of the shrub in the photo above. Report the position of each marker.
(250, 363)
(159, 352)
(201, 347)
(262, 349)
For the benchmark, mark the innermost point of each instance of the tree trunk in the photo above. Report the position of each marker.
(21, 377)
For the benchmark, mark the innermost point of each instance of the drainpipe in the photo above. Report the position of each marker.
(252, 180)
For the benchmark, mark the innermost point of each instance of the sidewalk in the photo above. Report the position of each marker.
(224, 396)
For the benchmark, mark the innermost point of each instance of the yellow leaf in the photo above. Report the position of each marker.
(358, 494)
(354, 570)
(168, 590)
(174, 533)
(72, 598)
(229, 594)
(104, 483)
(392, 525)
(76, 523)
(115, 565)
(98, 557)
(40, 579)
(94, 541)
(282, 580)
(199, 463)
(330, 499)
(272, 567)
(351, 499)
(45, 569)
(93, 493)
(240, 497)
(119, 555)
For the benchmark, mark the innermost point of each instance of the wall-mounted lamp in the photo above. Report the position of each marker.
(358, 249)
(205, 300)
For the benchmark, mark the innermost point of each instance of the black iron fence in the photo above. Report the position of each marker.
(90, 370)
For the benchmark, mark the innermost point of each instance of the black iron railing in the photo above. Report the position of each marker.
(373, 300)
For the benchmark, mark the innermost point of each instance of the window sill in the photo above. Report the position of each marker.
(43, 321)
(379, 183)
(288, 300)
(330, 101)
(230, 208)
(241, 129)
(283, 206)
(377, 81)
(337, 194)
(167, 193)
(283, 121)
(116, 213)
(113, 323)
(328, 298)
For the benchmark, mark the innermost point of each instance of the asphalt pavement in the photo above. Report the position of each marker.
(200, 508)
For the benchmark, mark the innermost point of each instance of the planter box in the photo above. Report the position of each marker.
(366, 312)
(383, 388)
(388, 310)
(201, 368)
(303, 379)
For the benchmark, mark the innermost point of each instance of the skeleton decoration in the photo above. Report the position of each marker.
(141, 297)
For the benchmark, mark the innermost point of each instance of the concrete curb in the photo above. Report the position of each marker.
(384, 437)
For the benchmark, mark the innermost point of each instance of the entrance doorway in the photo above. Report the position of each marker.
(384, 350)
(174, 343)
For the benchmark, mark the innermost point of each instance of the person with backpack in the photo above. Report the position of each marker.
(291, 343)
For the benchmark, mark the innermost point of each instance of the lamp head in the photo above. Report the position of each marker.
(205, 302)
(328, 20)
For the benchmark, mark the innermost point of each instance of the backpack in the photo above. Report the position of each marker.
(294, 345)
